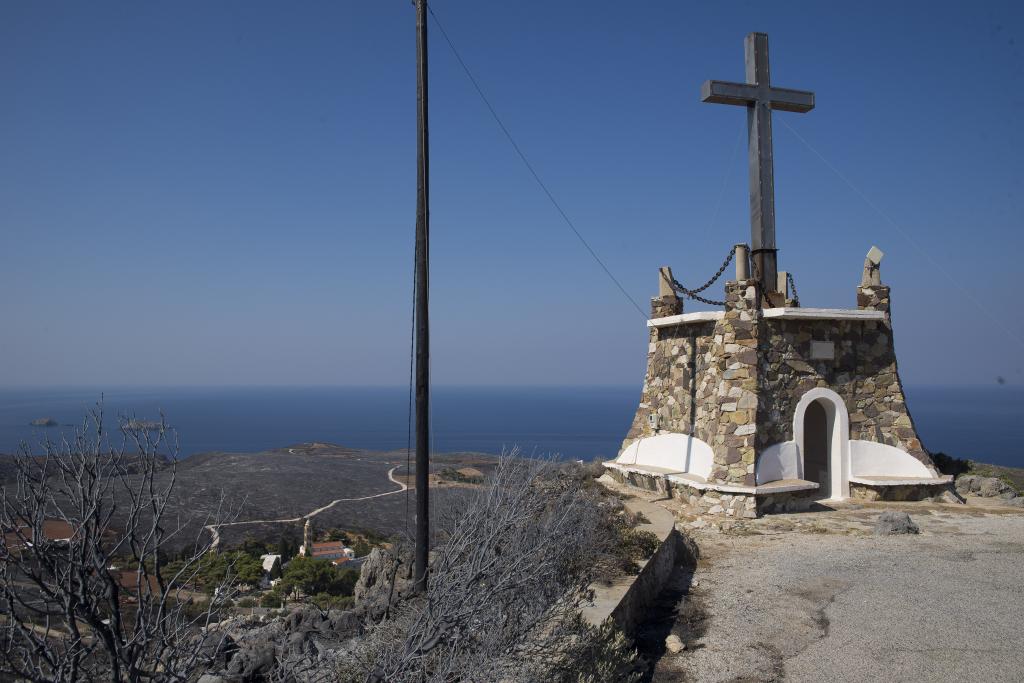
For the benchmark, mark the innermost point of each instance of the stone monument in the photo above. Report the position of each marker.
(764, 405)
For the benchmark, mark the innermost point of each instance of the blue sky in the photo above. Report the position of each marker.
(223, 193)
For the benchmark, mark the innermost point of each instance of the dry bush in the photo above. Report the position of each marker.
(506, 585)
(66, 614)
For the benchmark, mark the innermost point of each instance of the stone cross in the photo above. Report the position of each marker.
(759, 97)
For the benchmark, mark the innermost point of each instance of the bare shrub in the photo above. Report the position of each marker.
(101, 604)
(507, 582)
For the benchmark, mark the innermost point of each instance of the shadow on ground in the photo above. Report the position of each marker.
(676, 609)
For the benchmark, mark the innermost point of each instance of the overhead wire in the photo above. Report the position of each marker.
(906, 235)
(529, 166)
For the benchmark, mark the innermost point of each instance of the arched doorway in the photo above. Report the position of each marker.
(821, 429)
(816, 447)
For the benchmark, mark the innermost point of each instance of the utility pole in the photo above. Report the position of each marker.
(422, 305)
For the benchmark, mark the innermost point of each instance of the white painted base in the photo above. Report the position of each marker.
(676, 453)
(870, 463)
(870, 459)
(822, 314)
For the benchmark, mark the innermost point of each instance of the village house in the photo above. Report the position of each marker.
(335, 551)
(23, 535)
(271, 570)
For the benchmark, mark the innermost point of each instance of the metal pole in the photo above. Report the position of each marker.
(422, 302)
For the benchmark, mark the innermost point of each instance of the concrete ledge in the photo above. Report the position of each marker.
(700, 484)
(627, 600)
(903, 481)
(686, 318)
(822, 314)
(644, 469)
(785, 486)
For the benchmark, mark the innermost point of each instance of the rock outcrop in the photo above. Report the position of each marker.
(307, 638)
(382, 568)
(986, 487)
(891, 523)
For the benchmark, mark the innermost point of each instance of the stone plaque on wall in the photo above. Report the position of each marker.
(823, 350)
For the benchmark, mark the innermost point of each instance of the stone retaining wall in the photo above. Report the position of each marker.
(791, 501)
(633, 609)
(937, 494)
(703, 502)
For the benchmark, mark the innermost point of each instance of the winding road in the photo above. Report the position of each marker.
(214, 529)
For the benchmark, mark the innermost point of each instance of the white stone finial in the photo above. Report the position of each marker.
(872, 274)
(742, 263)
(782, 280)
(665, 282)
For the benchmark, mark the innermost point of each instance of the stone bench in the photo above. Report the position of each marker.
(901, 481)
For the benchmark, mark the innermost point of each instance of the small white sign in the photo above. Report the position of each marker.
(823, 350)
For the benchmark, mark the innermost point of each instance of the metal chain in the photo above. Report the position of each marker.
(792, 285)
(757, 279)
(694, 293)
(725, 264)
(709, 302)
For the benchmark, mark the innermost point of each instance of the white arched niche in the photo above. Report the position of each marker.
(670, 451)
(838, 429)
(779, 461)
(870, 459)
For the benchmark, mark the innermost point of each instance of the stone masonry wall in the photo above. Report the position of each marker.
(668, 385)
(735, 383)
(938, 494)
(662, 307)
(727, 390)
(873, 298)
(863, 373)
(720, 407)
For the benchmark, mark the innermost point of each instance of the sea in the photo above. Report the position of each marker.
(983, 423)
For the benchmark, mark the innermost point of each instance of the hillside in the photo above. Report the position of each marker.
(289, 483)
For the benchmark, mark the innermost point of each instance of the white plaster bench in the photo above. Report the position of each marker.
(901, 481)
(644, 469)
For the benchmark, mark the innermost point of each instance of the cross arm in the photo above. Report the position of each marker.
(723, 92)
(780, 99)
(783, 99)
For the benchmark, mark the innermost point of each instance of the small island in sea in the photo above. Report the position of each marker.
(143, 425)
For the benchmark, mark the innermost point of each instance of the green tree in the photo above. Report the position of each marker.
(309, 575)
(287, 546)
(235, 567)
(247, 569)
(337, 535)
(312, 577)
(272, 599)
(345, 583)
(250, 546)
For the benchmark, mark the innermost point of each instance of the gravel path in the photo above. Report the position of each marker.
(814, 596)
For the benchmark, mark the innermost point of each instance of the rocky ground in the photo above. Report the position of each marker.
(810, 596)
